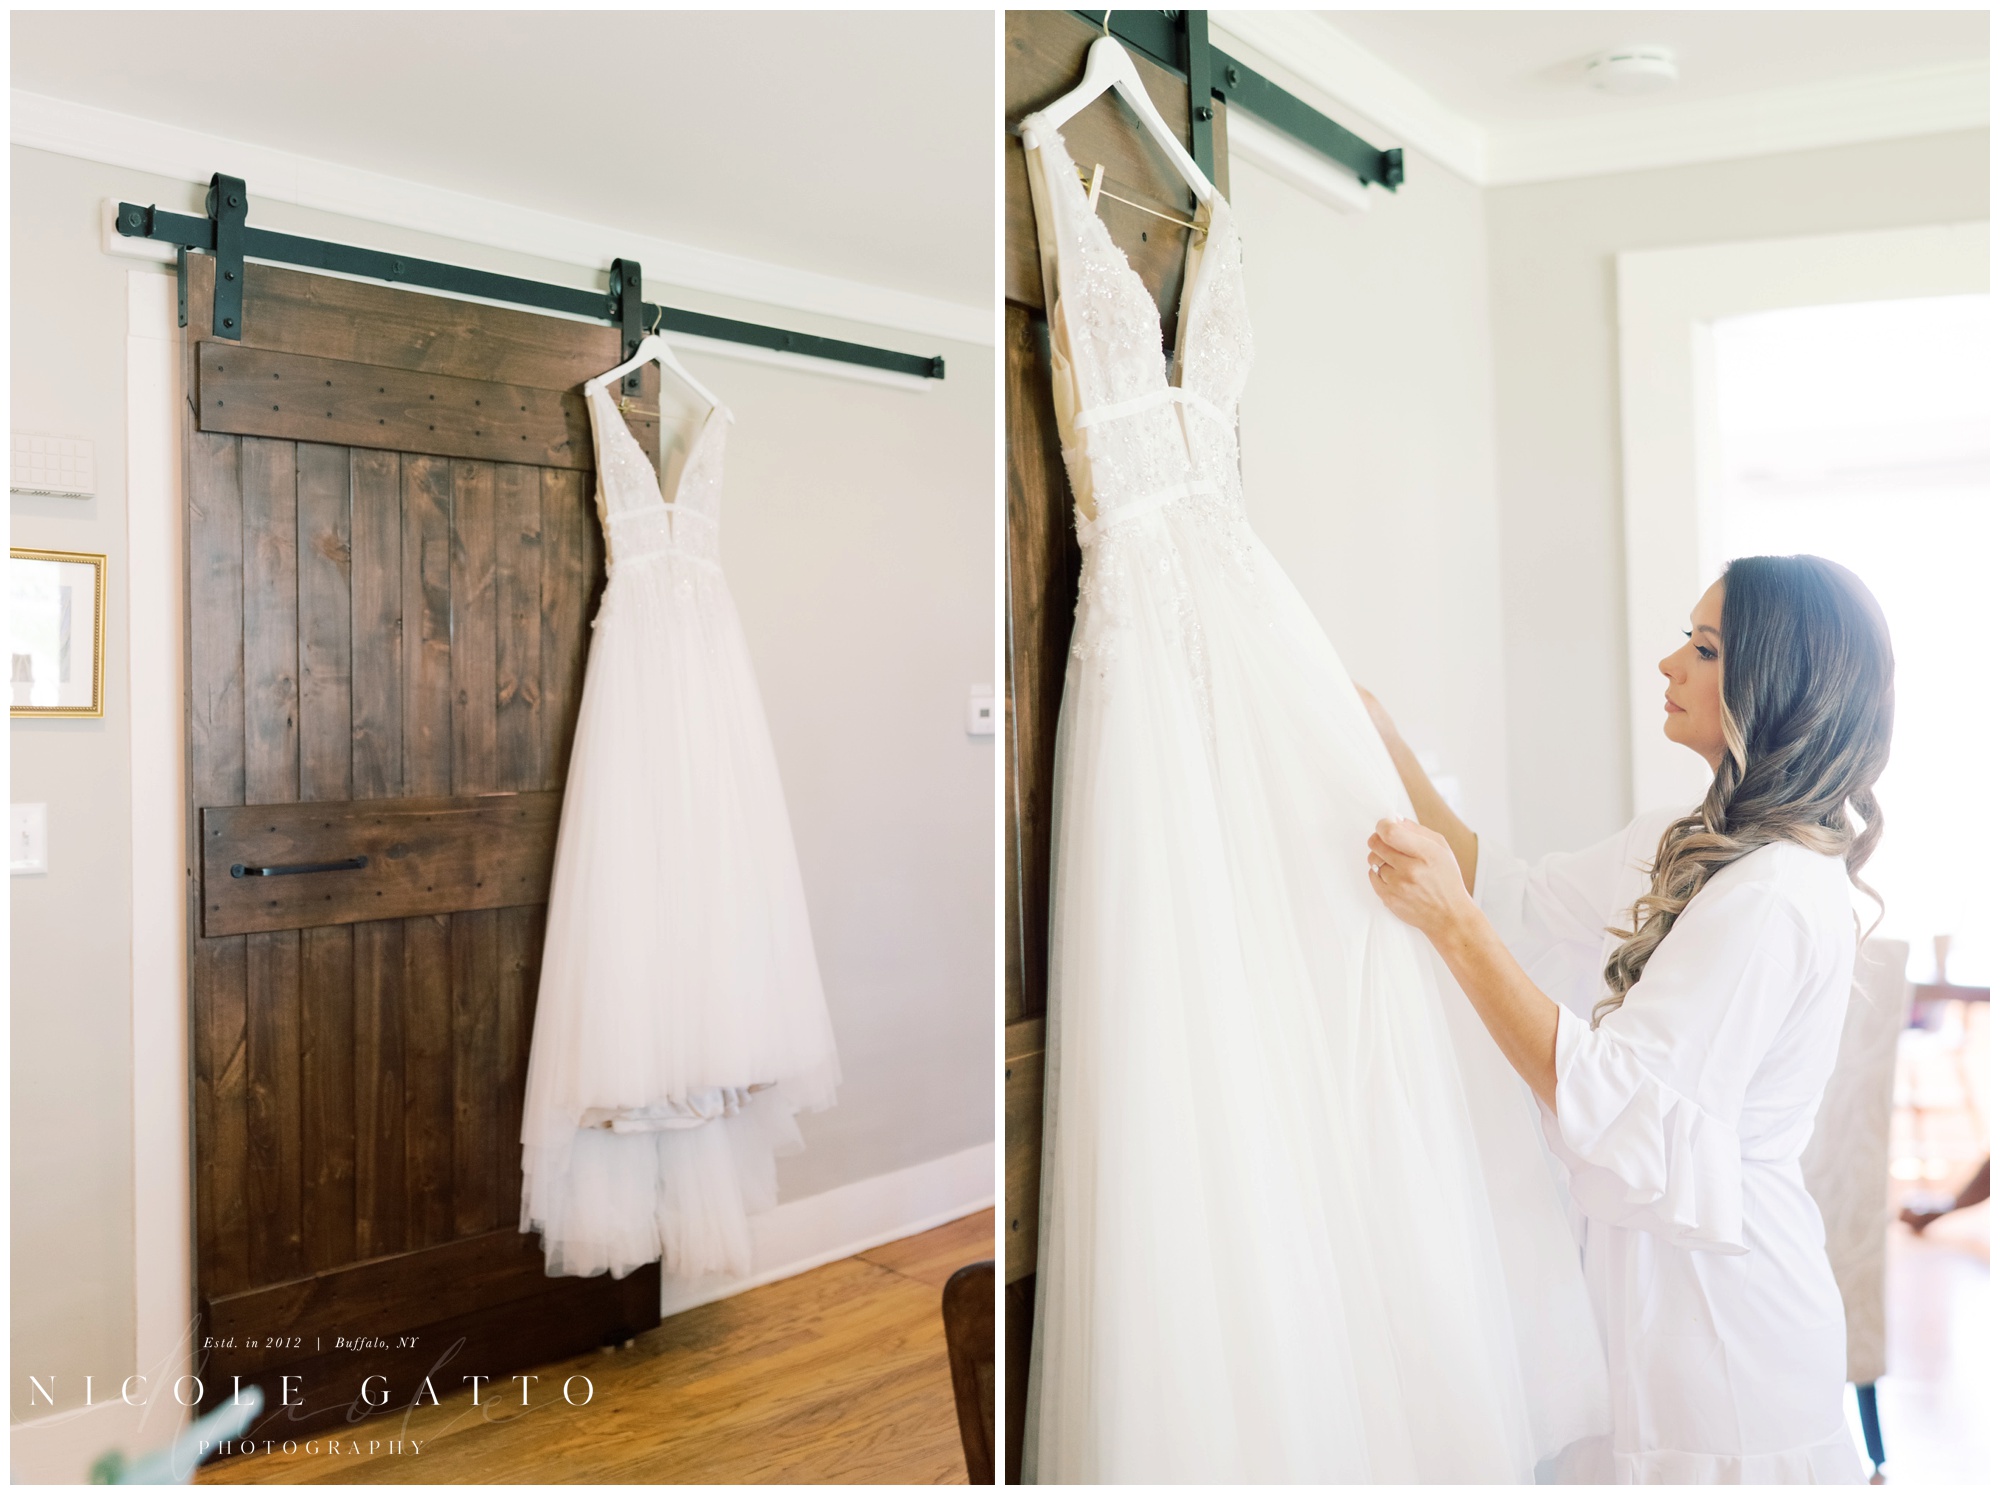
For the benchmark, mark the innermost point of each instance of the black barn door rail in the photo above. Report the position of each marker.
(225, 234)
(1178, 41)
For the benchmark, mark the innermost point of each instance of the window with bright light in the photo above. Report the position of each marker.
(1860, 433)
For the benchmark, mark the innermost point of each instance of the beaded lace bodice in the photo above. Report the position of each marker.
(640, 527)
(1138, 434)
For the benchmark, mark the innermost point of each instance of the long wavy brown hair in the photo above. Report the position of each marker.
(1808, 702)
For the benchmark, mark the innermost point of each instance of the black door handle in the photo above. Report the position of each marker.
(352, 864)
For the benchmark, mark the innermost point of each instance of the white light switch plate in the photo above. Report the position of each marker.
(28, 839)
(979, 712)
(55, 465)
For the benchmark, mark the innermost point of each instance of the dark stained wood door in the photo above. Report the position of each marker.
(1045, 56)
(392, 559)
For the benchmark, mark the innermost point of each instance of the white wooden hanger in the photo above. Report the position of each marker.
(655, 347)
(1110, 66)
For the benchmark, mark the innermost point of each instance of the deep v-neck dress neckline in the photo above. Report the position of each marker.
(701, 438)
(1195, 273)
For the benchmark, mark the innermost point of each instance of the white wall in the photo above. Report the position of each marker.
(1367, 442)
(859, 541)
(1552, 250)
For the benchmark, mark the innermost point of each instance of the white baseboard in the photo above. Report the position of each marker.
(810, 1232)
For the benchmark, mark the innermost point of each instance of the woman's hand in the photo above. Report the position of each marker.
(1415, 872)
(1416, 875)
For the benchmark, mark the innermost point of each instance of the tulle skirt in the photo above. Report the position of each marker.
(1268, 1247)
(680, 1023)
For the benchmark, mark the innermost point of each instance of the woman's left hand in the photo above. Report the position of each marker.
(1415, 873)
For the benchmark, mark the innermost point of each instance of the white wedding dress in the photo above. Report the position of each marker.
(1297, 1220)
(680, 1023)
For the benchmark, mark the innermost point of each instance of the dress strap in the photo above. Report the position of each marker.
(1088, 531)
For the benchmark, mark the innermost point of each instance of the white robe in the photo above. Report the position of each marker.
(1680, 1120)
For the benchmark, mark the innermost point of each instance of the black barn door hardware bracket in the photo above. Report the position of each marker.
(225, 234)
(627, 290)
(292, 869)
(1178, 40)
(228, 206)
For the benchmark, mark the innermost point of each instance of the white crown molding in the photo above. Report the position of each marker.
(1844, 111)
(113, 139)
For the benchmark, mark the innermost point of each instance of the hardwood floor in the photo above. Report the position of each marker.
(834, 1376)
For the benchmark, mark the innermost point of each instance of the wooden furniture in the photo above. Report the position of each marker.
(968, 1337)
(1045, 57)
(392, 560)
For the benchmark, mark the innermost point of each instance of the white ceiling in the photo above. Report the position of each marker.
(1503, 67)
(853, 144)
(1498, 96)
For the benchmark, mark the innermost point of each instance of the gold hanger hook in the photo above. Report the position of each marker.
(1107, 23)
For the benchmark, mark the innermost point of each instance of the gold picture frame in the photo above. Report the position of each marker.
(42, 626)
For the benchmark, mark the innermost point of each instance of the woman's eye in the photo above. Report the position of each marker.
(1704, 651)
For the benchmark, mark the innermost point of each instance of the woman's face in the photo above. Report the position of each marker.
(1694, 681)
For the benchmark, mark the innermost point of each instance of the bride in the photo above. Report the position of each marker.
(1297, 1220)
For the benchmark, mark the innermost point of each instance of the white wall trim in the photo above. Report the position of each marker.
(1668, 302)
(801, 1234)
(1844, 111)
(1250, 139)
(114, 139)
(161, 1208)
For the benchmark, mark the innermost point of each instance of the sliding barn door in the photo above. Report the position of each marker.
(392, 560)
(1045, 53)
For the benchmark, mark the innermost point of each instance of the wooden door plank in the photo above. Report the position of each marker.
(1043, 567)
(376, 546)
(270, 621)
(215, 772)
(427, 519)
(271, 773)
(517, 585)
(519, 948)
(572, 563)
(427, 1080)
(427, 761)
(1023, 1089)
(380, 1202)
(215, 628)
(474, 692)
(376, 552)
(475, 767)
(475, 1047)
(326, 956)
(258, 392)
(217, 972)
(326, 1093)
(356, 322)
(271, 985)
(325, 629)
(427, 855)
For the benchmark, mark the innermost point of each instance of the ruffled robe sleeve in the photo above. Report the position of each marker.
(1648, 1102)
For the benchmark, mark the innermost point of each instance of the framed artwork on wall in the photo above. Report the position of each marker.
(56, 632)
